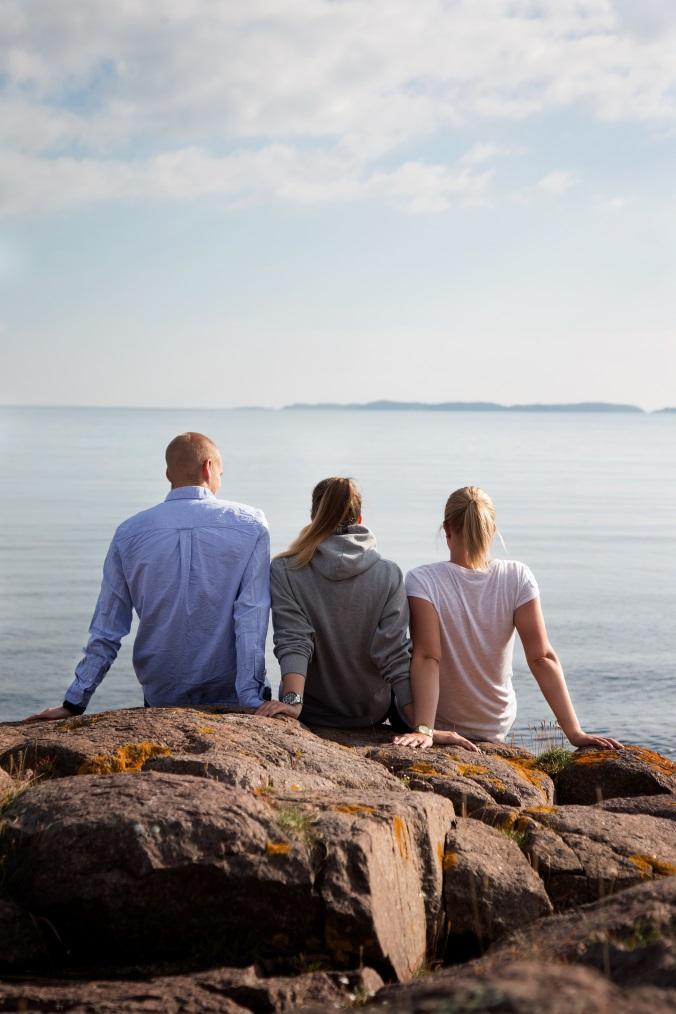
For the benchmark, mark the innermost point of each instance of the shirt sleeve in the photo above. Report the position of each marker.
(293, 633)
(250, 614)
(391, 646)
(110, 623)
(527, 589)
(417, 586)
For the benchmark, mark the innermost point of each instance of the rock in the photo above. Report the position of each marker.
(21, 938)
(166, 865)
(584, 853)
(237, 749)
(489, 886)
(356, 739)
(592, 776)
(630, 936)
(469, 780)
(652, 806)
(522, 987)
(229, 990)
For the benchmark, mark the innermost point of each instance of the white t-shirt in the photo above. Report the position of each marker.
(476, 619)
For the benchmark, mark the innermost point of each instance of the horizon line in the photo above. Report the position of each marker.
(377, 405)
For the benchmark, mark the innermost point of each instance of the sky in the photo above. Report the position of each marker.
(258, 202)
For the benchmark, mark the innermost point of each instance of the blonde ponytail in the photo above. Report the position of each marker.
(336, 503)
(470, 514)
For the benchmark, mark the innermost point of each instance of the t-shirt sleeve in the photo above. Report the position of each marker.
(418, 585)
(527, 587)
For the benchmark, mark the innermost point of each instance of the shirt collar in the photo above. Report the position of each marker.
(190, 493)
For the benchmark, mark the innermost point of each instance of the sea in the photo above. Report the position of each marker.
(587, 500)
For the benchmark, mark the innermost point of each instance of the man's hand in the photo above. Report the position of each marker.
(49, 715)
(271, 709)
(600, 742)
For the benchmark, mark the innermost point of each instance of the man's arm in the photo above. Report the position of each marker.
(251, 613)
(111, 621)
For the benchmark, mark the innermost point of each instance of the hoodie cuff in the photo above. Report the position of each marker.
(293, 663)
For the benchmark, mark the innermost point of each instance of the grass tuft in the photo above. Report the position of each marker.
(295, 822)
(554, 760)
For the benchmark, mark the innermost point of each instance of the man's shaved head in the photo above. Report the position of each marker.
(186, 456)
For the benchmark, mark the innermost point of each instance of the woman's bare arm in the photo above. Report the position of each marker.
(426, 638)
(543, 662)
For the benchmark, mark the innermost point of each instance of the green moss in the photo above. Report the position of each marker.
(553, 761)
(515, 834)
(643, 935)
(295, 822)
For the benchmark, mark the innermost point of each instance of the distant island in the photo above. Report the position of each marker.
(464, 406)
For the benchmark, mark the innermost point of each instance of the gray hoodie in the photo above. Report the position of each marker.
(342, 621)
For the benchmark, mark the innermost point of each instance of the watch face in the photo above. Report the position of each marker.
(292, 698)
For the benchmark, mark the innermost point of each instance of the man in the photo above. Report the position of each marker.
(196, 570)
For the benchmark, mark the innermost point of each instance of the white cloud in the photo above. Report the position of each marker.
(274, 173)
(605, 203)
(488, 152)
(556, 183)
(114, 93)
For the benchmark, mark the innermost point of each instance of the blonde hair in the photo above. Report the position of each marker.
(470, 514)
(336, 503)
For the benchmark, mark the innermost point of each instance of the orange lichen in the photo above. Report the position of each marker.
(541, 809)
(353, 808)
(651, 866)
(440, 851)
(423, 769)
(125, 759)
(450, 860)
(507, 823)
(649, 757)
(277, 848)
(472, 770)
(294, 787)
(528, 771)
(208, 730)
(401, 835)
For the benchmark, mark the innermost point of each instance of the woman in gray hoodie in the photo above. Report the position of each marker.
(340, 620)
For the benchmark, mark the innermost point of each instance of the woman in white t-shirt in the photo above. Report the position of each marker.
(464, 612)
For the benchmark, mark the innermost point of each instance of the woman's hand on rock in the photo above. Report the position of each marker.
(273, 709)
(417, 740)
(454, 739)
(600, 742)
(49, 715)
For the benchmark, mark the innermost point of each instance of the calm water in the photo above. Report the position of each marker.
(588, 501)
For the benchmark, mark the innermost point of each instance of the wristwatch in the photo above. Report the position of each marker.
(291, 698)
(425, 729)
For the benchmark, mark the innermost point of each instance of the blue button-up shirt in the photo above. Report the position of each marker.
(197, 572)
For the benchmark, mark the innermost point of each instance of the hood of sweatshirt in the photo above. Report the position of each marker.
(343, 556)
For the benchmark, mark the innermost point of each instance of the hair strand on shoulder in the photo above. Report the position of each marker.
(336, 503)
